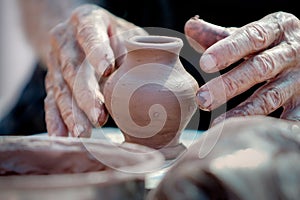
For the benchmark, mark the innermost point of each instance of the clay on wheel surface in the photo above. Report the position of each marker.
(58, 155)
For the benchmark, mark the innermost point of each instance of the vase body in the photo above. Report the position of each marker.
(151, 97)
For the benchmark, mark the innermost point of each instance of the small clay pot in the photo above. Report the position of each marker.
(73, 168)
(151, 97)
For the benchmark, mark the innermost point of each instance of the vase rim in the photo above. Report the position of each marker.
(154, 41)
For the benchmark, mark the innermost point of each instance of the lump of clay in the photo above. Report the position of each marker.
(73, 168)
(59, 155)
(245, 158)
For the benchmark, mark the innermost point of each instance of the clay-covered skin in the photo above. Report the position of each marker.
(64, 34)
(269, 52)
(59, 155)
(244, 158)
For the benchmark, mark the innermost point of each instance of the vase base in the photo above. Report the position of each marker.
(172, 152)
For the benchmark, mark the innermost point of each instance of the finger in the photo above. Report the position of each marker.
(201, 34)
(257, 69)
(75, 120)
(268, 98)
(54, 122)
(251, 38)
(291, 109)
(119, 52)
(81, 79)
(92, 34)
(119, 32)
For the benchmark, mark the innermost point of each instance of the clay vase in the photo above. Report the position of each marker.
(151, 97)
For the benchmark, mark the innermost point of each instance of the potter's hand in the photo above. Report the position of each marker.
(233, 157)
(84, 48)
(270, 52)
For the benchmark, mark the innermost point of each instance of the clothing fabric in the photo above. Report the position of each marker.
(27, 116)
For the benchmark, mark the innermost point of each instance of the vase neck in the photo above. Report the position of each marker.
(153, 49)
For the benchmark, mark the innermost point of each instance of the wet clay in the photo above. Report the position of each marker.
(151, 97)
(59, 155)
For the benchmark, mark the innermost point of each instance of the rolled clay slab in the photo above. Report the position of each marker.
(73, 168)
(59, 155)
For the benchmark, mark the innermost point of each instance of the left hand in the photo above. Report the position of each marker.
(270, 52)
(84, 49)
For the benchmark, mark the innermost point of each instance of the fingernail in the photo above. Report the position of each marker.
(95, 114)
(108, 70)
(78, 130)
(207, 62)
(103, 117)
(204, 100)
(104, 67)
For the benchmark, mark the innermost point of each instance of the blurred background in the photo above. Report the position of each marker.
(16, 57)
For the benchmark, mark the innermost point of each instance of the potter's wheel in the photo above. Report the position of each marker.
(187, 138)
(110, 134)
(42, 167)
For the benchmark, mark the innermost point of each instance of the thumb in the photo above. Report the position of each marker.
(291, 110)
(201, 34)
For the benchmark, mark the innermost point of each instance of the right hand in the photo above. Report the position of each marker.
(266, 51)
(236, 154)
(86, 47)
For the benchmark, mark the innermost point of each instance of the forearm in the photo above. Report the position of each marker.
(40, 16)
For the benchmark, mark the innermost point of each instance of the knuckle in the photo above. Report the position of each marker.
(82, 11)
(65, 110)
(246, 108)
(257, 36)
(57, 32)
(288, 18)
(239, 111)
(293, 19)
(273, 98)
(48, 102)
(91, 43)
(68, 69)
(89, 36)
(263, 65)
(292, 52)
(235, 47)
(66, 113)
(294, 46)
(231, 86)
(60, 91)
(87, 12)
(67, 116)
(86, 33)
(288, 24)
